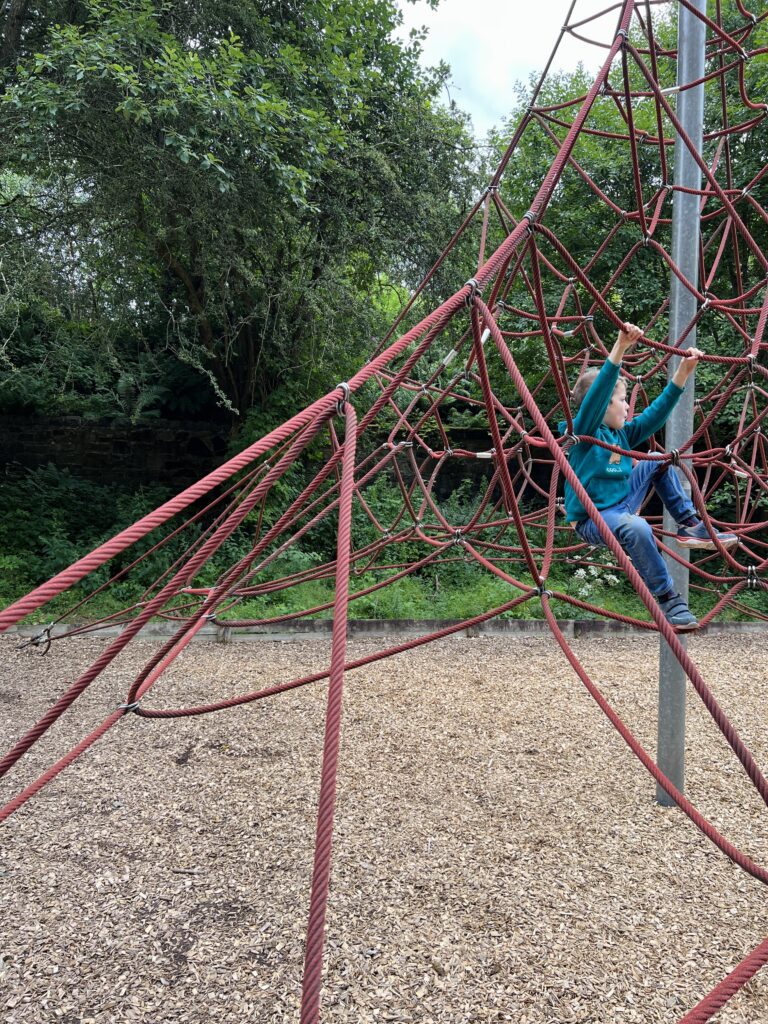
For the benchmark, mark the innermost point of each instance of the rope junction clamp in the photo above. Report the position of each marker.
(344, 398)
(674, 457)
(476, 289)
(753, 580)
(128, 707)
(542, 591)
(42, 639)
(457, 537)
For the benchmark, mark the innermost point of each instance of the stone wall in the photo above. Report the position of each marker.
(174, 453)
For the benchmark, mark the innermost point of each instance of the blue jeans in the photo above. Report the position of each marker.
(633, 532)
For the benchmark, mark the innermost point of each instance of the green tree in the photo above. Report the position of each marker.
(234, 182)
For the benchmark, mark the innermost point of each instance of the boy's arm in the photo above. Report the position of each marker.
(655, 416)
(592, 409)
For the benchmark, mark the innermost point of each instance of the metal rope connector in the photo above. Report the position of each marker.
(569, 440)
(542, 591)
(42, 639)
(753, 580)
(344, 398)
(674, 457)
(475, 289)
(458, 537)
(128, 707)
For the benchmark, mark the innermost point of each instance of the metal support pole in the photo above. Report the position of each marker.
(686, 213)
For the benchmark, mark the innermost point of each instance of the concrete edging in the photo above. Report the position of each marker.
(572, 628)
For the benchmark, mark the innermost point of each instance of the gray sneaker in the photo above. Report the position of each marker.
(678, 614)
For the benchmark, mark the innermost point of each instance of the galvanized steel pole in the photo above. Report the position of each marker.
(686, 211)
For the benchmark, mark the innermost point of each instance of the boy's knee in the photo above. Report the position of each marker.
(633, 528)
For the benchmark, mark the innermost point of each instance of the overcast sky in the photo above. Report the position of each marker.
(491, 44)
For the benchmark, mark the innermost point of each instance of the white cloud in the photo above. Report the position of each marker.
(491, 44)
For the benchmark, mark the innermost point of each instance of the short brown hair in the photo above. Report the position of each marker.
(584, 383)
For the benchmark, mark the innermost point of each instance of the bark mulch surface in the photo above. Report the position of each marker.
(498, 856)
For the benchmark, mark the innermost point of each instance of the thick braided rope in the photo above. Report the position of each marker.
(728, 987)
(321, 873)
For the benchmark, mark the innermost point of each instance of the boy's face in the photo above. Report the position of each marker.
(618, 409)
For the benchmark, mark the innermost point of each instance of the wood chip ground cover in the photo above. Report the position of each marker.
(498, 852)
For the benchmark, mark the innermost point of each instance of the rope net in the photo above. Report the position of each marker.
(501, 354)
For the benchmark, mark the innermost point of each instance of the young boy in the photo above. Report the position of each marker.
(617, 489)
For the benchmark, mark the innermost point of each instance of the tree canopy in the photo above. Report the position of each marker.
(210, 199)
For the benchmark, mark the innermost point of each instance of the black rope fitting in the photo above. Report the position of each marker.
(588, 319)
(530, 216)
(128, 707)
(753, 580)
(475, 290)
(542, 591)
(674, 457)
(623, 33)
(42, 639)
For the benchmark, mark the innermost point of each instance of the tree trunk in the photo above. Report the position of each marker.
(15, 11)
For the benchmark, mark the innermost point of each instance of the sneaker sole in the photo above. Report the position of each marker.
(705, 545)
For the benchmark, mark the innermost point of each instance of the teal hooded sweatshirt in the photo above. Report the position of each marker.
(604, 474)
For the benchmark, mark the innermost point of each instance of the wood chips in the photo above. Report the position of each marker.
(498, 855)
